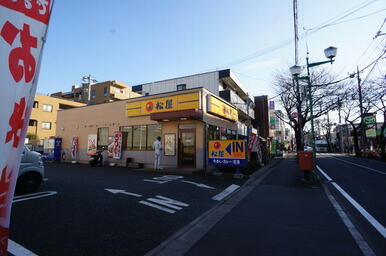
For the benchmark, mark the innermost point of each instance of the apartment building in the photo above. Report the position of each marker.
(42, 123)
(102, 92)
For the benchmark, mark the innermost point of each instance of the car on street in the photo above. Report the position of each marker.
(308, 148)
(31, 171)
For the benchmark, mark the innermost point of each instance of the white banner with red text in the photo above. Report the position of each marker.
(23, 27)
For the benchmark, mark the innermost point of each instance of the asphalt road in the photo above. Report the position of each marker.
(364, 181)
(83, 218)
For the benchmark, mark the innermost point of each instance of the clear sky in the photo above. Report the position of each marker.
(138, 41)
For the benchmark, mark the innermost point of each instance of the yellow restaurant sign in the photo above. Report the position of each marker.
(163, 104)
(220, 108)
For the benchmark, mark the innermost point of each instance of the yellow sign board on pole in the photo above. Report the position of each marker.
(227, 152)
(163, 104)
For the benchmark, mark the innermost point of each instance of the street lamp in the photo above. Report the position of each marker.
(330, 53)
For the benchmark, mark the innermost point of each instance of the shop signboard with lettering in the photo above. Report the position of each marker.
(227, 152)
(220, 108)
(23, 28)
(163, 104)
(117, 153)
(271, 105)
(370, 124)
(272, 122)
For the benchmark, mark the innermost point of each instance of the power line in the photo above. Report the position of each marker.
(340, 17)
(345, 78)
(289, 41)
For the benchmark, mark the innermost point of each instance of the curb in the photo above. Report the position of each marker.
(184, 239)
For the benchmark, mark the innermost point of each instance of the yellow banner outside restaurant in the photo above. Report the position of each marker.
(163, 104)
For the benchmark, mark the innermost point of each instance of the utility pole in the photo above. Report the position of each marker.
(88, 79)
(340, 126)
(295, 9)
(299, 98)
(361, 108)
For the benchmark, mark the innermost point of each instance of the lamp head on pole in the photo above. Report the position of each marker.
(295, 70)
(330, 52)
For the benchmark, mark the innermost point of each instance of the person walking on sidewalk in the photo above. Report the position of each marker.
(157, 146)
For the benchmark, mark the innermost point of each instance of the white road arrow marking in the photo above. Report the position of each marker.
(120, 191)
(197, 184)
(33, 196)
(18, 250)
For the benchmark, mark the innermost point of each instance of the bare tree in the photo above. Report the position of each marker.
(351, 110)
(293, 98)
(378, 103)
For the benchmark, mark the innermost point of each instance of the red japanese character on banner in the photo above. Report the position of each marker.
(20, 60)
(4, 191)
(4, 232)
(16, 122)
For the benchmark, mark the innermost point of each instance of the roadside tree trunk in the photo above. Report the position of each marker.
(356, 141)
(382, 138)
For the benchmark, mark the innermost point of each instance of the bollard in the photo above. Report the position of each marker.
(217, 171)
(238, 174)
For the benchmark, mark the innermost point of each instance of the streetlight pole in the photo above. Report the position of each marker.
(330, 53)
(311, 113)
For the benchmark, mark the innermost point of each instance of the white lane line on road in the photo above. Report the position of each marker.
(371, 169)
(378, 226)
(362, 244)
(120, 191)
(157, 206)
(197, 184)
(225, 192)
(324, 174)
(18, 250)
(33, 196)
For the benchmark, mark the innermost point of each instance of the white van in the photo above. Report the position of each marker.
(31, 171)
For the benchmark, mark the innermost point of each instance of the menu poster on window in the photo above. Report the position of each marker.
(74, 147)
(170, 144)
(117, 154)
(110, 147)
(91, 144)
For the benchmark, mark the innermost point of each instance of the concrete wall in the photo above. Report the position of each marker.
(209, 81)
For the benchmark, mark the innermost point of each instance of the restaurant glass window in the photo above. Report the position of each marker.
(213, 132)
(153, 131)
(139, 137)
(103, 137)
(127, 134)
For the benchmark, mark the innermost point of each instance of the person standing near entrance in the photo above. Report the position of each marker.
(157, 146)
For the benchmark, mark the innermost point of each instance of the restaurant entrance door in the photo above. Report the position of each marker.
(187, 147)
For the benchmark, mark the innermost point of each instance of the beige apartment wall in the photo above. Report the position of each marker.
(42, 116)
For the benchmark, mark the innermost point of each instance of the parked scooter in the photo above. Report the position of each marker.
(96, 159)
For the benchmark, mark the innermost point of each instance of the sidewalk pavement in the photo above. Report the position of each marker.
(280, 216)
